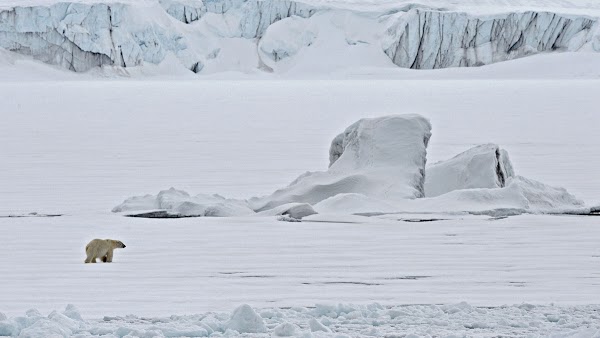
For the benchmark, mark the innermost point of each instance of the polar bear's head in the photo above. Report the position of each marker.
(117, 244)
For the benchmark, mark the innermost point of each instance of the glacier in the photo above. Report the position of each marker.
(261, 35)
(424, 39)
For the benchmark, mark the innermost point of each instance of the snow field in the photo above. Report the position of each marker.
(196, 265)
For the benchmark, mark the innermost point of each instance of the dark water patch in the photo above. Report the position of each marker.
(351, 283)
(157, 214)
(31, 214)
(418, 220)
(407, 277)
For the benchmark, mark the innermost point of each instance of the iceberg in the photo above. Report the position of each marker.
(378, 157)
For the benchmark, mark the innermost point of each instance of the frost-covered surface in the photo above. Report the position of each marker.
(484, 166)
(288, 36)
(379, 157)
(324, 320)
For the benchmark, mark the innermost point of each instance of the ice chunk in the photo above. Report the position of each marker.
(45, 328)
(285, 330)
(72, 312)
(316, 326)
(380, 157)
(245, 320)
(484, 166)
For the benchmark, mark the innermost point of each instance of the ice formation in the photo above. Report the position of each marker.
(245, 320)
(327, 321)
(378, 165)
(263, 34)
(180, 203)
(381, 157)
(484, 166)
(425, 39)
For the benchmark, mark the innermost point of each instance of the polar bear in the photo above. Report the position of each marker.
(101, 248)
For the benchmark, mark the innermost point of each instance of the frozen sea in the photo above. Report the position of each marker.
(80, 147)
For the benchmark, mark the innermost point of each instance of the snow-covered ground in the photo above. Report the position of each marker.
(191, 266)
(79, 148)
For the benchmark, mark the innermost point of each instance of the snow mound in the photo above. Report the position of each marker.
(293, 210)
(245, 320)
(379, 157)
(178, 202)
(484, 166)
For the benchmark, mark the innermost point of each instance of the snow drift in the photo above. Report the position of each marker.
(378, 165)
(251, 35)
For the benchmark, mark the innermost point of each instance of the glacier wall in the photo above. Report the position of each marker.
(254, 16)
(81, 36)
(251, 35)
(426, 39)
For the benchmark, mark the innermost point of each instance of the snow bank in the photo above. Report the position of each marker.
(180, 203)
(378, 157)
(342, 320)
(484, 166)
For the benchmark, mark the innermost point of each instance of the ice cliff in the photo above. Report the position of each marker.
(424, 39)
(259, 34)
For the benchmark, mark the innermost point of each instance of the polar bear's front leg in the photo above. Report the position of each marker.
(109, 256)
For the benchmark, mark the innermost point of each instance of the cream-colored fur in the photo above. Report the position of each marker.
(101, 248)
